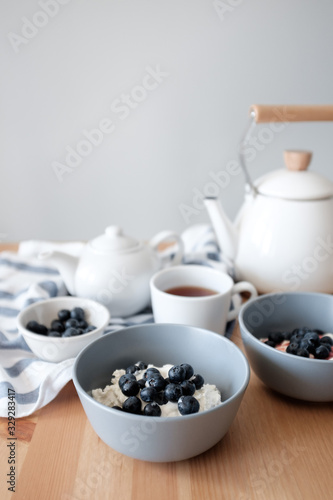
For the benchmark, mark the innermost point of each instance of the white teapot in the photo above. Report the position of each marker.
(282, 239)
(115, 269)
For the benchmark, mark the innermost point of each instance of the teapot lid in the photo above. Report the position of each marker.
(113, 240)
(295, 182)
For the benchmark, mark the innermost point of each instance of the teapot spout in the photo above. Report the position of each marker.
(226, 233)
(66, 265)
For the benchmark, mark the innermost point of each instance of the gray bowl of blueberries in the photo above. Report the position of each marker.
(161, 392)
(288, 341)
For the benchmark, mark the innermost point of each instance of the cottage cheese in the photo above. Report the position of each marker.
(208, 396)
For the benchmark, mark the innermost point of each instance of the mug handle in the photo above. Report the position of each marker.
(165, 237)
(242, 286)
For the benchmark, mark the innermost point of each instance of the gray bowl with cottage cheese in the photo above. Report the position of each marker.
(162, 439)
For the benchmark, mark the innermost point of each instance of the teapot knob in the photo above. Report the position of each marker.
(113, 231)
(297, 160)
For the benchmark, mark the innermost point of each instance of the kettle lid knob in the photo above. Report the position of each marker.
(297, 160)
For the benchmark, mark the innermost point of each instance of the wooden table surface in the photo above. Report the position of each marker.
(277, 448)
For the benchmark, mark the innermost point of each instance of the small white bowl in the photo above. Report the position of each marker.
(57, 349)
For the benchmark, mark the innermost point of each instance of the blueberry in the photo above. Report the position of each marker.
(304, 353)
(188, 405)
(132, 405)
(142, 383)
(156, 381)
(270, 343)
(90, 328)
(152, 410)
(125, 378)
(57, 326)
(71, 332)
(276, 337)
(177, 374)
(141, 365)
(313, 338)
(287, 335)
(322, 352)
(307, 345)
(54, 333)
(325, 340)
(64, 314)
(83, 324)
(198, 381)
(296, 337)
(150, 371)
(160, 398)
(292, 348)
(188, 370)
(34, 326)
(130, 388)
(132, 369)
(71, 322)
(188, 387)
(173, 392)
(148, 394)
(77, 313)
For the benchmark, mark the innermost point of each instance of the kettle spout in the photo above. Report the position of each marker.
(66, 265)
(226, 233)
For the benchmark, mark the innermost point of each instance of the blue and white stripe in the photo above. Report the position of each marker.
(23, 281)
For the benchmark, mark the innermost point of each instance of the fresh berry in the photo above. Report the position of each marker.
(307, 345)
(188, 387)
(313, 338)
(83, 324)
(148, 394)
(276, 337)
(77, 313)
(188, 370)
(188, 405)
(35, 327)
(132, 405)
(292, 348)
(64, 314)
(125, 378)
(132, 369)
(57, 326)
(160, 398)
(198, 381)
(54, 333)
(71, 332)
(90, 328)
(141, 365)
(326, 340)
(71, 322)
(270, 343)
(177, 374)
(150, 371)
(130, 388)
(322, 352)
(304, 353)
(156, 381)
(152, 410)
(142, 383)
(173, 392)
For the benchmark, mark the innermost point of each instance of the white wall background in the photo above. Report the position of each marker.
(62, 77)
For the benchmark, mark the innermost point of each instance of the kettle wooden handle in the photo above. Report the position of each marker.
(280, 113)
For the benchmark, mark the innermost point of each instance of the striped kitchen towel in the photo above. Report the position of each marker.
(24, 280)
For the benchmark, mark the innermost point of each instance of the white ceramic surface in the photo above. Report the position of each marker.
(115, 269)
(211, 312)
(282, 238)
(162, 439)
(58, 349)
(294, 376)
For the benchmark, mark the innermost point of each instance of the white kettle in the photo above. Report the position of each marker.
(282, 239)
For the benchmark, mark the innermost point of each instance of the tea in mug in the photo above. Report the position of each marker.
(191, 291)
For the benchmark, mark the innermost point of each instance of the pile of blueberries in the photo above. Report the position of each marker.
(303, 342)
(155, 390)
(69, 323)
